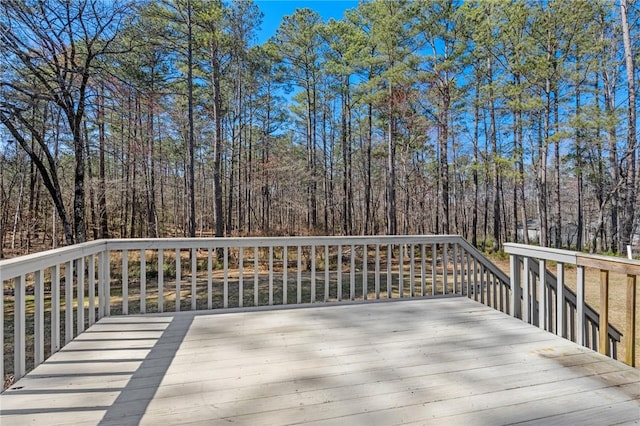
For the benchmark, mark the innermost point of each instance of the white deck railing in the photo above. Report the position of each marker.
(545, 300)
(53, 296)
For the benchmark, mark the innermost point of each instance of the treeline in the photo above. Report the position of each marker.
(496, 120)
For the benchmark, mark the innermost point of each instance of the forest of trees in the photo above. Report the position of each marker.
(495, 120)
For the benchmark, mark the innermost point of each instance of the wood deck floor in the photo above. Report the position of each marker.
(436, 361)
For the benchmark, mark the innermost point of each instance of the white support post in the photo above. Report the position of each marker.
(178, 279)
(377, 272)
(412, 271)
(80, 290)
(285, 264)
(434, 269)
(299, 277)
(560, 326)
(225, 290)
(68, 292)
(423, 271)
(527, 314)
(313, 274)
(580, 326)
(352, 274)
(514, 266)
(240, 277)
(256, 277)
(400, 270)
(19, 328)
(455, 268)
(445, 268)
(107, 283)
(339, 269)
(125, 282)
(160, 280)
(542, 294)
(326, 273)
(365, 273)
(194, 278)
(389, 260)
(55, 308)
(38, 326)
(270, 275)
(143, 281)
(92, 290)
(210, 278)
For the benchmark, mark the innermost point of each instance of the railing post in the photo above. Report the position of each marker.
(92, 289)
(256, 272)
(377, 272)
(240, 277)
(423, 271)
(19, 328)
(560, 328)
(194, 278)
(580, 327)
(270, 275)
(125, 282)
(527, 313)
(542, 293)
(400, 271)
(445, 268)
(55, 308)
(225, 279)
(603, 345)
(209, 278)
(313, 273)
(412, 272)
(326, 273)
(38, 338)
(80, 290)
(161, 280)
(178, 279)
(339, 269)
(68, 292)
(630, 329)
(455, 268)
(143, 281)
(365, 273)
(514, 267)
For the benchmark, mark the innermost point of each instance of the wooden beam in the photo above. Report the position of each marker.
(603, 346)
(630, 329)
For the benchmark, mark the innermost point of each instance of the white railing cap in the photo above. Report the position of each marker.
(546, 253)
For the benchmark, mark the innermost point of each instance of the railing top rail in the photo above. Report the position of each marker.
(479, 256)
(213, 242)
(610, 263)
(15, 267)
(546, 253)
(11, 268)
(614, 264)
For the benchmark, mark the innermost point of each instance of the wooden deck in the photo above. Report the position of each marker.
(435, 361)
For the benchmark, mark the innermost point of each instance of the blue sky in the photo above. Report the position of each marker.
(274, 10)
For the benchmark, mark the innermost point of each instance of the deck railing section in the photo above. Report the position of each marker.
(545, 300)
(53, 296)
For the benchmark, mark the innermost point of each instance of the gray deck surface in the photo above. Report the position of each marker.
(436, 361)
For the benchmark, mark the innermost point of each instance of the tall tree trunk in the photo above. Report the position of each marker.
(102, 197)
(497, 241)
(630, 155)
(476, 190)
(392, 224)
(191, 143)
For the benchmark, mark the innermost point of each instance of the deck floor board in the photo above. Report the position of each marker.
(430, 361)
